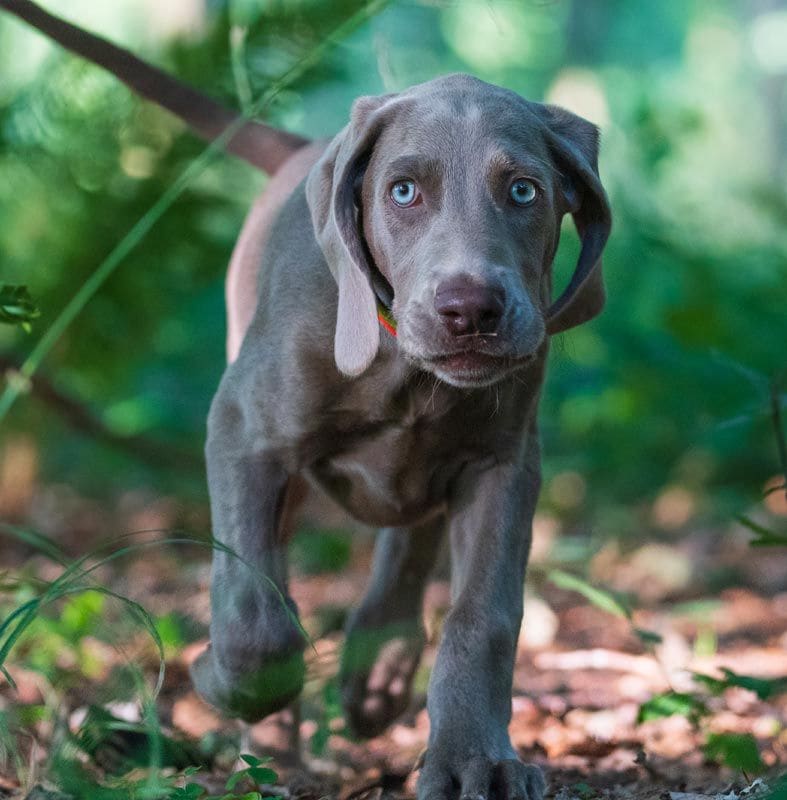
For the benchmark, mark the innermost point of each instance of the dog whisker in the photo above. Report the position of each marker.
(477, 335)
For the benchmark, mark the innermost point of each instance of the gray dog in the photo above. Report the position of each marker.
(389, 312)
(395, 359)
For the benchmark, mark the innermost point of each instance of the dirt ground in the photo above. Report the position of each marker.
(582, 675)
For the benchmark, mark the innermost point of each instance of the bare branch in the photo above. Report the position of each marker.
(262, 146)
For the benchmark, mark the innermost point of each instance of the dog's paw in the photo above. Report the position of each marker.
(378, 666)
(249, 694)
(479, 778)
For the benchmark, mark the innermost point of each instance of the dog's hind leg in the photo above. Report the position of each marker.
(385, 635)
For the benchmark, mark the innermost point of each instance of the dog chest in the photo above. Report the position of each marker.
(399, 471)
(390, 476)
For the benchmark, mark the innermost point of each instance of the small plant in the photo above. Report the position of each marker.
(78, 782)
(605, 600)
(105, 758)
(738, 751)
(735, 750)
(256, 772)
(764, 688)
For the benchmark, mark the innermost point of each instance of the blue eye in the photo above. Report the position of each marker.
(523, 192)
(404, 193)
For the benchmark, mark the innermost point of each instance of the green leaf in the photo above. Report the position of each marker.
(714, 685)
(258, 774)
(234, 780)
(253, 761)
(765, 536)
(671, 703)
(764, 688)
(7, 675)
(770, 540)
(601, 598)
(17, 306)
(262, 774)
(736, 750)
(648, 637)
(191, 791)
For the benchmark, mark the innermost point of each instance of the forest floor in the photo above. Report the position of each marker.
(608, 703)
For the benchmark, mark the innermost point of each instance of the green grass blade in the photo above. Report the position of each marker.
(601, 598)
(42, 543)
(73, 579)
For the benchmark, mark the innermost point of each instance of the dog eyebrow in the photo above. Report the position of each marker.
(414, 166)
(505, 162)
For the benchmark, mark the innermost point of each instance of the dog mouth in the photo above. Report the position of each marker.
(474, 367)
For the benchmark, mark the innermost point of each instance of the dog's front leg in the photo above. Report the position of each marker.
(254, 664)
(469, 754)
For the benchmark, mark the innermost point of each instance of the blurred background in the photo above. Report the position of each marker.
(658, 413)
(661, 419)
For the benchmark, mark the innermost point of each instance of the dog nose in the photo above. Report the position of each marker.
(466, 307)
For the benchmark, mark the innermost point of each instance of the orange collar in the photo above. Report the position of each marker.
(386, 318)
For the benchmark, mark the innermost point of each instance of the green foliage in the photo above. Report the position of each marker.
(256, 772)
(764, 688)
(48, 625)
(17, 306)
(605, 600)
(83, 162)
(765, 536)
(120, 746)
(648, 638)
(81, 784)
(73, 582)
(601, 598)
(735, 750)
(76, 580)
(669, 704)
(318, 550)
(125, 241)
(330, 710)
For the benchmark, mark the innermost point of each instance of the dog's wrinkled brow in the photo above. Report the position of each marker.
(413, 166)
(521, 163)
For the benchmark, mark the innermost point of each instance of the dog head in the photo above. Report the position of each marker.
(445, 201)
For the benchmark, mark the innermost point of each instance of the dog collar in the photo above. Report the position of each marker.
(386, 318)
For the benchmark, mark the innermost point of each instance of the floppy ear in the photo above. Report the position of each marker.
(330, 193)
(574, 145)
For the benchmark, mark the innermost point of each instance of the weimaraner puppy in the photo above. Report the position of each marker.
(390, 308)
(393, 356)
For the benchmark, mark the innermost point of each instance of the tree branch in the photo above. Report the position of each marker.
(262, 146)
(153, 452)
